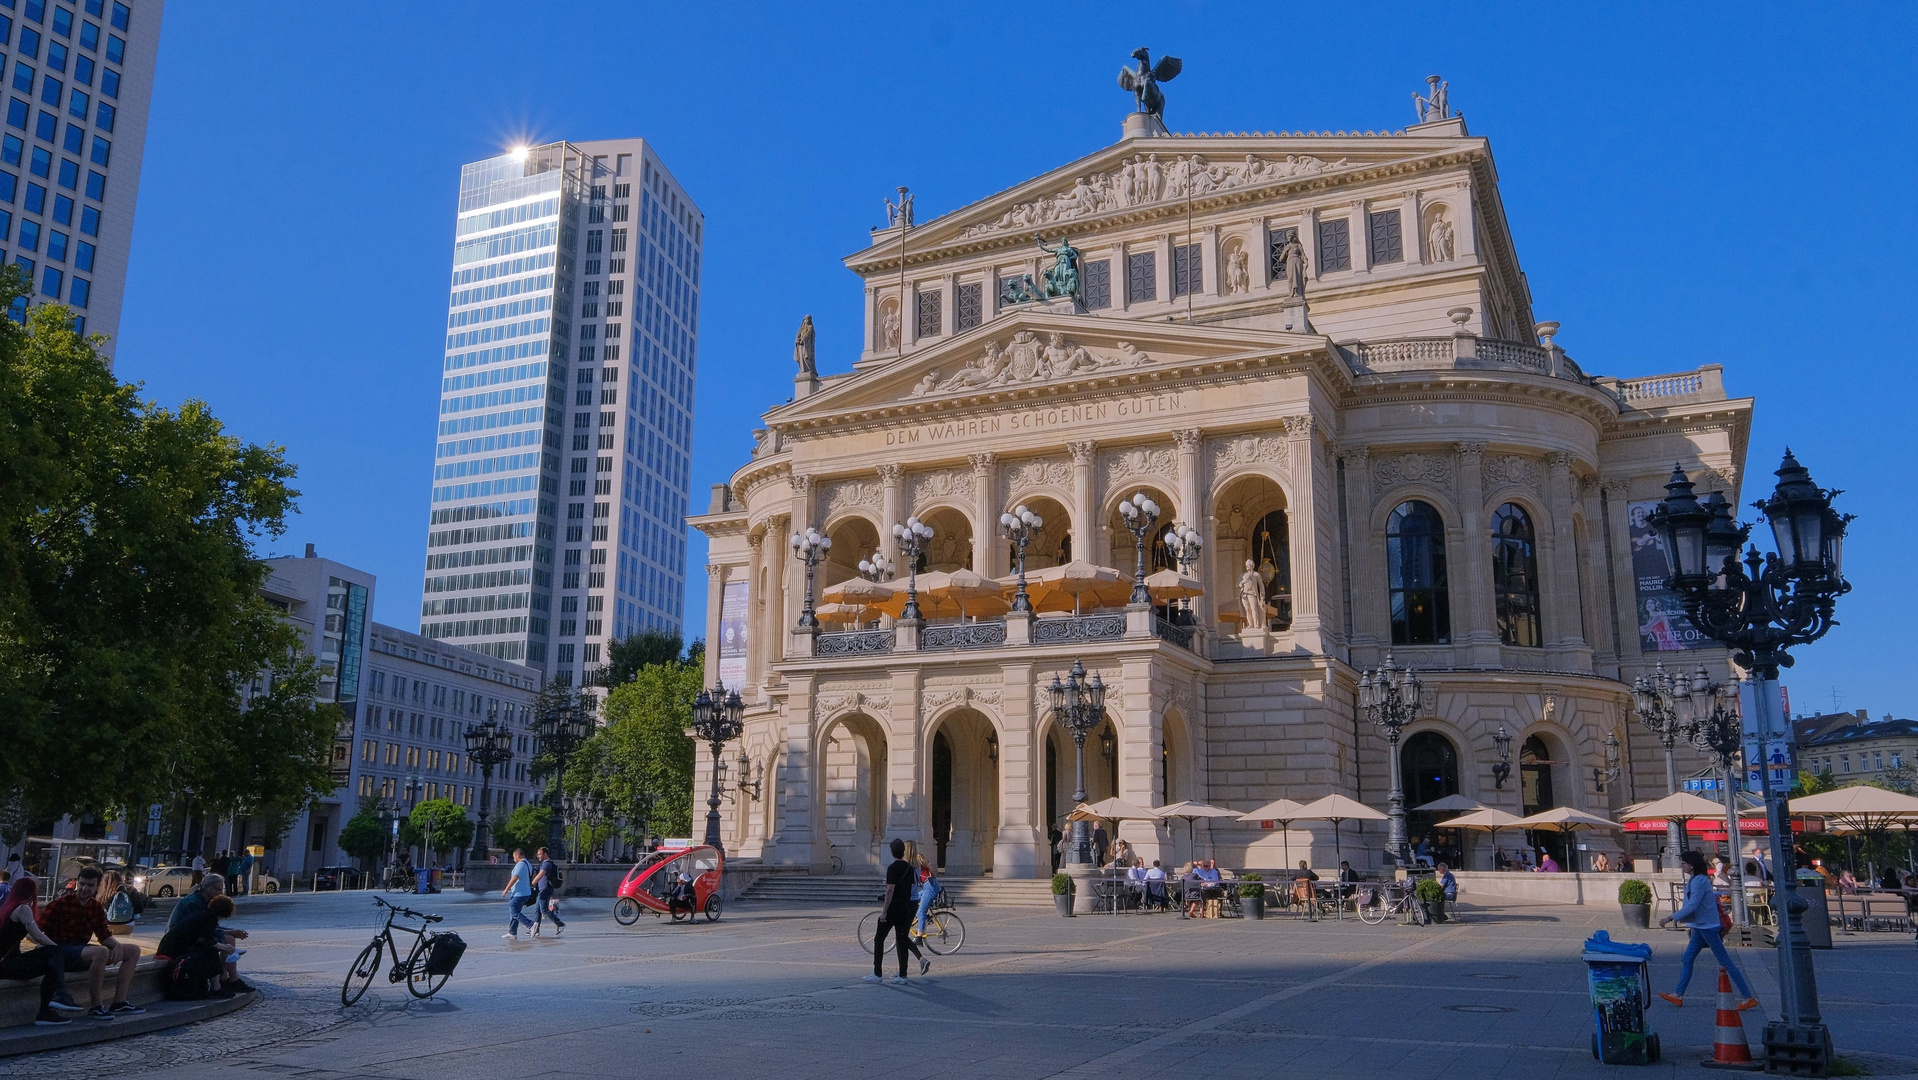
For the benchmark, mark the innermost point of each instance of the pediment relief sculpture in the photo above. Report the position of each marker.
(1123, 466)
(944, 484)
(1144, 179)
(1513, 470)
(846, 495)
(1433, 469)
(1042, 472)
(1027, 359)
(1245, 450)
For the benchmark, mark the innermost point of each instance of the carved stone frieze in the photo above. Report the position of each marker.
(841, 496)
(933, 700)
(1038, 472)
(1390, 471)
(1511, 470)
(832, 704)
(1027, 359)
(1240, 450)
(1140, 463)
(943, 484)
(1144, 180)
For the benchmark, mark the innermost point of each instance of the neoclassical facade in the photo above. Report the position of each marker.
(1318, 351)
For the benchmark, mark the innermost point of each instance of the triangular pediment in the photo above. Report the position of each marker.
(1141, 178)
(1033, 353)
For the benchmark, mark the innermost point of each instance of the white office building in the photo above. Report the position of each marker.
(565, 422)
(79, 81)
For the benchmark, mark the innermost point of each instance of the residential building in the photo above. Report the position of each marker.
(80, 76)
(565, 421)
(1863, 750)
(1317, 352)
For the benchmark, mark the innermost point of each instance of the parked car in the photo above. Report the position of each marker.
(335, 877)
(164, 881)
(263, 883)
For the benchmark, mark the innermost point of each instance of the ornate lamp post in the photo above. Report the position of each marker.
(810, 548)
(561, 728)
(489, 745)
(1655, 700)
(1761, 607)
(718, 718)
(1390, 698)
(747, 786)
(1715, 729)
(911, 536)
(1184, 542)
(1611, 772)
(1502, 768)
(1022, 528)
(877, 568)
(1140, 514)
(1079, 704)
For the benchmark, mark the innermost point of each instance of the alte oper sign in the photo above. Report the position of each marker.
(1092, 412)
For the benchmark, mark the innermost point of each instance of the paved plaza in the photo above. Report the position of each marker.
(774, 991)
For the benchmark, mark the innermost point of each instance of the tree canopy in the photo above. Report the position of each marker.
(450, 829)
(137, 658)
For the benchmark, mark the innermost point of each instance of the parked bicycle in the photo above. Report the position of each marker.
(1378, 907)
(426, 967)
(945, 930)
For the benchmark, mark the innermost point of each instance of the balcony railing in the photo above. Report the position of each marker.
(974, 635)
(1173, 635)
(1104, 626)
(853, 643)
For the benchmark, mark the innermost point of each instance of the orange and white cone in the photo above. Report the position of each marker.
(1729, 1048)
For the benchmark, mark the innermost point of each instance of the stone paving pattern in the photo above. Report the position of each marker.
(774, 991)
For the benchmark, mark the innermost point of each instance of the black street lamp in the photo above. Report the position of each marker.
(1390, 699)
(810, 548)
(1655, 700)
(489, 744)
(1079, 704)
(877, 568)
(1612, 770)
(1715, 729)
(562, 726)
(718, 718)
(911, 536)
(1139, 514)
(1760, 607)
(1502, 768)
(582, 811)
(1021, 527)
(1184, 542)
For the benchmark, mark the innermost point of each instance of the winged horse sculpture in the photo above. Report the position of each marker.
(1144, 83)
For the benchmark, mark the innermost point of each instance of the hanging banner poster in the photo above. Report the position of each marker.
(1662, 625)
(732, 635)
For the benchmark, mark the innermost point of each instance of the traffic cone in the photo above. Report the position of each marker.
(1729, 1048)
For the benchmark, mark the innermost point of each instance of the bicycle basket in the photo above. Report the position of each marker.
(443, 953)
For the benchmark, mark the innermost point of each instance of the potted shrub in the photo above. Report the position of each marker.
(1635, 903)
(1252, 895)
(1062, 894)
(1431, 897)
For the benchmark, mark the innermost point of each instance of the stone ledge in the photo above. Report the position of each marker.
(160, 1015)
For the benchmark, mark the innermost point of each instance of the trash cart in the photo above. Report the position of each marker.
(425, 877)
(1618, 975)
(1817, 916)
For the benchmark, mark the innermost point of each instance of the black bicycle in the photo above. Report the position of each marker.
(425, 969)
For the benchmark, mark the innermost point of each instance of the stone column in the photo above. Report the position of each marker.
(1361, 236)
(987, 550)
(1085, 531)
(891, 504)
(949, 305)
(1209, 260)
(1019, 850)
(1412, 229)
(872, 320)
(799, 840)
(1308, 554)
(757, 604)
(1370, 616)
(1309, 243)
(1563, 631)
(1162, 280)
(1474, 617)
(1618, 555)
(1261, 259)
(1464, 225)
(715, 603)
(795, 571)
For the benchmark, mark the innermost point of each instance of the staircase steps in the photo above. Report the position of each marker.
(864, 889)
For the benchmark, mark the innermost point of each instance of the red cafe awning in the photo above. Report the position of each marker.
(1703, 826)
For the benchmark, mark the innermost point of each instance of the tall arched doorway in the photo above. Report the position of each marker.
(1536, 793)
(1428, 767)
(951, 545)
(852, 790)
(963, 784)
(1252, 526)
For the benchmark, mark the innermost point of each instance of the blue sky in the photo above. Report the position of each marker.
(1683, 190)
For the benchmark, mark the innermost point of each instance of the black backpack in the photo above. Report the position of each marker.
(557, 879)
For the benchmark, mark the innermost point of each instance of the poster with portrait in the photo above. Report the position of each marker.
(1662, 625)
(732, 635)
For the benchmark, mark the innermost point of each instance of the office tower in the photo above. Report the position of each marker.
(561, 472)
(81, 78)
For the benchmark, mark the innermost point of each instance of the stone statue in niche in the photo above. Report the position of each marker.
(1292, 259)
(1063, 278)
(803, 349)
(1438, 239)
(1238, 274)
(1252, 597)
(889, 326)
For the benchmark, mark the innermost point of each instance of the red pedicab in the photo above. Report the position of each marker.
(680, 884)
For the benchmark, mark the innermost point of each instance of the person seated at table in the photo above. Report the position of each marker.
(1302, 883)
(1208, 872)
(1911, 896)
(1155, 886)
(1846, 882)
(1601, 864)
(1423, 852)
(1546, 864)
(1500, 861)
(1136, 873)
(1194, 890)
(1122, 854)
(1348, 879)
(1890, 879)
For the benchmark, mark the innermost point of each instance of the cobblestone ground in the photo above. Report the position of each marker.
(775, 992)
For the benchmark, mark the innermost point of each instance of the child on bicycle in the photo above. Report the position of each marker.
(926, 891)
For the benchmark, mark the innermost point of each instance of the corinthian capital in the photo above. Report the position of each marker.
(1298, 427)
(890, 472)
(1081, 452)
(1189, 439)
(1469, 452)
(802, 486)
(982, 463)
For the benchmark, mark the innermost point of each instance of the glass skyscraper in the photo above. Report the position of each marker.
(565, 422)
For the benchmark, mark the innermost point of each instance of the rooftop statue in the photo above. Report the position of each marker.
(803, 349)
(1063, 278)
(1438, 106)
(1144, 83)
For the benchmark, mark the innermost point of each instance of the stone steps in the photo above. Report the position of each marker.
(860, 889)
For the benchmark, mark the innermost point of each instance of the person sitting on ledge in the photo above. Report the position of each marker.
(198, 952)
(74, 920)
(1546, 864)
(48, 961)
(195, 902)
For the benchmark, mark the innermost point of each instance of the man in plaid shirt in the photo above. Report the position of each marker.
(73, 921)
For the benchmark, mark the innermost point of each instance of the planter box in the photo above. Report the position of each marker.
(1062, 902)
(1254, 906)
(1637, 916)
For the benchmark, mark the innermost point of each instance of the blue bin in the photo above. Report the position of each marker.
(1621, 988)
(424, 875)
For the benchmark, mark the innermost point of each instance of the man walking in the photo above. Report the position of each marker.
(518, 890)
(896, 918)
(546, 882)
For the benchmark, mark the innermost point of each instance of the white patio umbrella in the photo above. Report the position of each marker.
(1335, 809)
(1281, 812)
(1192, 811)
(1490, 819)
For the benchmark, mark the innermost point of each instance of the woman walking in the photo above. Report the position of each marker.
(1700, 915)
(925, 891)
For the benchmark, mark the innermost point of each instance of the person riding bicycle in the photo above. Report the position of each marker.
(925, 892)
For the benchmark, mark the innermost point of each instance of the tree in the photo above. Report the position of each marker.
(525, 828)
(363, 836)
(646, 760)
(137, 658)
(449, 828)
(626, 657)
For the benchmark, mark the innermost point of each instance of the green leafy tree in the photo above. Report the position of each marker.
(644, 760)
(524, 828)
(1813, 783)
(137, 658)
(450, 830)
(626, 657)
(363, 836)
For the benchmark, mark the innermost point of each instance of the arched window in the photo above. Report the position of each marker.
(1415, 572)
(1272, 555)
(1515, 577)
